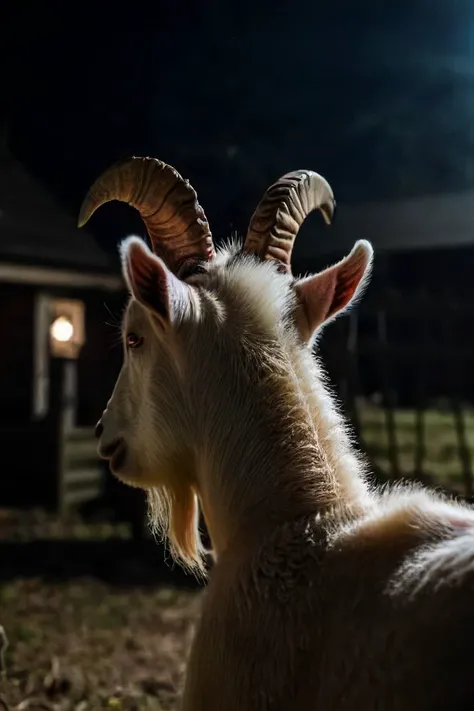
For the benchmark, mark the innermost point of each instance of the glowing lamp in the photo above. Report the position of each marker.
(66, 331)
(62, 329)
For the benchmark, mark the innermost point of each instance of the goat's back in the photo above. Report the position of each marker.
(316, 620)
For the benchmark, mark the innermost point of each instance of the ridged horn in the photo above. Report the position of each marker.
(167, 203)
(281, 212)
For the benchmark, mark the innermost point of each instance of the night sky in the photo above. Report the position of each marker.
(377, 96)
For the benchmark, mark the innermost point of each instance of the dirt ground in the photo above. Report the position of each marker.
(84, 645)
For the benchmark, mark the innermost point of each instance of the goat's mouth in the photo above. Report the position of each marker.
(118, 458)
(115, 452)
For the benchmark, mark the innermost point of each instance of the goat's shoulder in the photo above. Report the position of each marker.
(407, 514)
(423, 543)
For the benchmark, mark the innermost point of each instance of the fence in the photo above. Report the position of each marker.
(403, 367)
(80, 474)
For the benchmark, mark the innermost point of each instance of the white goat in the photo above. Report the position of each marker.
(326, 594)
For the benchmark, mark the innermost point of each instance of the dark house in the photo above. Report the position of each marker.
(51, 402)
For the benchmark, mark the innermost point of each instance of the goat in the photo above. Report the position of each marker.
(327, 592)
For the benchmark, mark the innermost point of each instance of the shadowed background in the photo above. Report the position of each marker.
(379, 98)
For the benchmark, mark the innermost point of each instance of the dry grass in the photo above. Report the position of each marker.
(84, 646)
(36, 524)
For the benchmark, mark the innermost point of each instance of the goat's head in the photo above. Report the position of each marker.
(203, 326)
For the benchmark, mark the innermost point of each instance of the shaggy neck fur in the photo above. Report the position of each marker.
(271, 446)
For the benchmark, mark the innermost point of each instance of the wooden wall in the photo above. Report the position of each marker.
(16, 353)
(98, 365)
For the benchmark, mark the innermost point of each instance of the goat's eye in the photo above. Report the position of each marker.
(133, 341)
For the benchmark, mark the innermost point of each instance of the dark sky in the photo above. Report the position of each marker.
(376, 95)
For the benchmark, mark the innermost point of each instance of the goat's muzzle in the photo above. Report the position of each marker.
(109, 448)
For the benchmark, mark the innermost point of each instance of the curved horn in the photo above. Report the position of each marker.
(281, 212)
(167, 203)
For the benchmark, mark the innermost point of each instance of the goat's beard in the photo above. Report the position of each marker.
(173, 513)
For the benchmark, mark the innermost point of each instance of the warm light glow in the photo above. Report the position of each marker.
(62, 329)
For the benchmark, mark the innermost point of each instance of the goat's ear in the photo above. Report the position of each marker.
(325, 295)
(152, 283)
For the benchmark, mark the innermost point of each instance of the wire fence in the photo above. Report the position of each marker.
(402, 365)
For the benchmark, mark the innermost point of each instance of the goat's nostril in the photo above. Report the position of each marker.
(99, 428)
